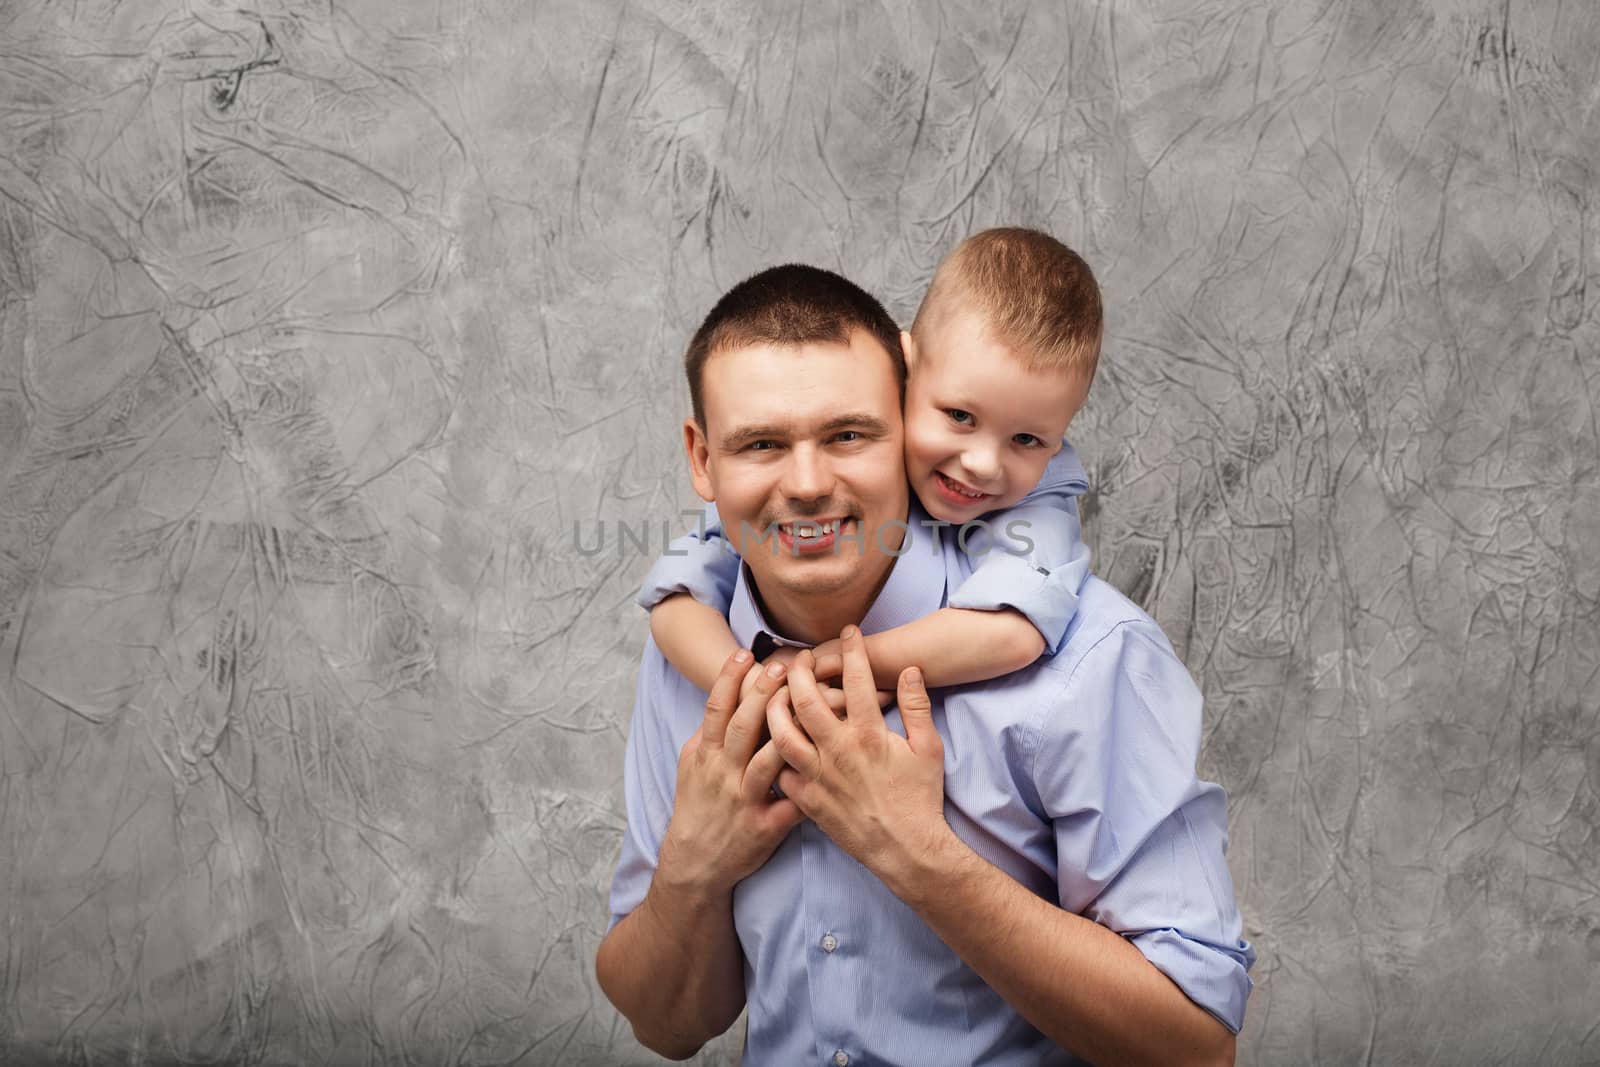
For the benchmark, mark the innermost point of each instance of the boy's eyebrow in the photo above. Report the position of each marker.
(855, 420)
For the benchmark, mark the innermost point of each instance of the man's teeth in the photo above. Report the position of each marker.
(812, 530)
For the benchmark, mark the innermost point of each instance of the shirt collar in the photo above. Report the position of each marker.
(915, 587)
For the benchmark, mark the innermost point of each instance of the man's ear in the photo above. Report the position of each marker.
(909, 347)
(697, 445)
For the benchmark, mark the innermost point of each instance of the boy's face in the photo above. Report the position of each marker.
(980, 426)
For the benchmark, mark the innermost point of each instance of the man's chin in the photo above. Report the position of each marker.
(811, 577)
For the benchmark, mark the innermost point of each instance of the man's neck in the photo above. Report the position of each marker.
(814, 619)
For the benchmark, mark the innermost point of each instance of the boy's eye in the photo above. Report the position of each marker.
(1027, 440)
(958, 416)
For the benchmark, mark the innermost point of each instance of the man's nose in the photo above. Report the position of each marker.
(808, 475)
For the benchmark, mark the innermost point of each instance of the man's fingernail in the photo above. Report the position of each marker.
(742, 656)
(914, 676)
(774, 670)
(848, 632)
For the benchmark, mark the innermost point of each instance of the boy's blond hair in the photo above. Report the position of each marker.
(1038, 296)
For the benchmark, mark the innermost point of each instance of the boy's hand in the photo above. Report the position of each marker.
(829, 659)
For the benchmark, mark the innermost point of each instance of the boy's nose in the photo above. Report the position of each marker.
(981, 462)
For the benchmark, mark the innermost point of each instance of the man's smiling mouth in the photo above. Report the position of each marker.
(805, 536)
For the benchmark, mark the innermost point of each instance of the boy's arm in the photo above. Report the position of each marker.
(687, 593)
(1030, 558)
(952, 646)
(693, 636)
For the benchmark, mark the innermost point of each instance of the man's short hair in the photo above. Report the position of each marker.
(790, 305)
(1038, 296)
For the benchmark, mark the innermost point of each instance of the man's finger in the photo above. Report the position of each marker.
(859, 688)
(789, 742)
(724, 697)
(744, 729)
(810, 706)
(762, 773)
(916, 712)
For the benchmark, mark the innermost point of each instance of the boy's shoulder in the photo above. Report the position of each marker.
(1064, 473)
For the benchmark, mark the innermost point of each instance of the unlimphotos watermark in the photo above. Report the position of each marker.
(896, 537)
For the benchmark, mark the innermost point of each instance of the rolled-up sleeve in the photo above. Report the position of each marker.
(700, 563)
(1140, 840)
(1030, 558)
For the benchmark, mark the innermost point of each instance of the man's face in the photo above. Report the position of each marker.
(806, 441)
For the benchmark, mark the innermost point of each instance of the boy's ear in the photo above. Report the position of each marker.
(909, 347)
(697, 445)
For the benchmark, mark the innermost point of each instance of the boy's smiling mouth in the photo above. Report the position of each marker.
(959, 492)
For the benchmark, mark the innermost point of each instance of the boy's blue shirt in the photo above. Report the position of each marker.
(1029, 557)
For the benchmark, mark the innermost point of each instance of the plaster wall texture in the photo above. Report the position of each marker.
(326, 327)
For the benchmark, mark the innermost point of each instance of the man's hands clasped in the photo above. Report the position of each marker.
(878, 795)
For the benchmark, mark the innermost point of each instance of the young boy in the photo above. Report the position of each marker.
(999, 359)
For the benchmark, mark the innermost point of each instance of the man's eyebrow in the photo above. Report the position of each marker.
(743, 435)
(856, 420)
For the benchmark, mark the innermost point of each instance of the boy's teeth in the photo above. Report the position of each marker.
(951, 483)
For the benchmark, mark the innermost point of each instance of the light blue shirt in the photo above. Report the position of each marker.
(1030, 557)
(1075, 776)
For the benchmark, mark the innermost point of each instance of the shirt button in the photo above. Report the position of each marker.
(829, 943)
(841, 1058)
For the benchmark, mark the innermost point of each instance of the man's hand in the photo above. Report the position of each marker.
(878, 795)
(725, 820)
(783, 654)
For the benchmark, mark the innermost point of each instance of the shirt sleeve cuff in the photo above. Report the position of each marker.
(1215, 978)
(1048, 599)
(706, 570)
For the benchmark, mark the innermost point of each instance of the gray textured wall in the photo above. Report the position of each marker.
(321, 325)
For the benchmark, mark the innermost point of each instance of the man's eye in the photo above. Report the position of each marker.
(961, 418)
(760, 446)
(847, 436)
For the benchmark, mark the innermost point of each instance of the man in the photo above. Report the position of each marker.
(1028, 872)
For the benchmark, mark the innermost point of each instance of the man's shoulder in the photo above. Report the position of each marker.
(666, 696)
(1106, 620)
